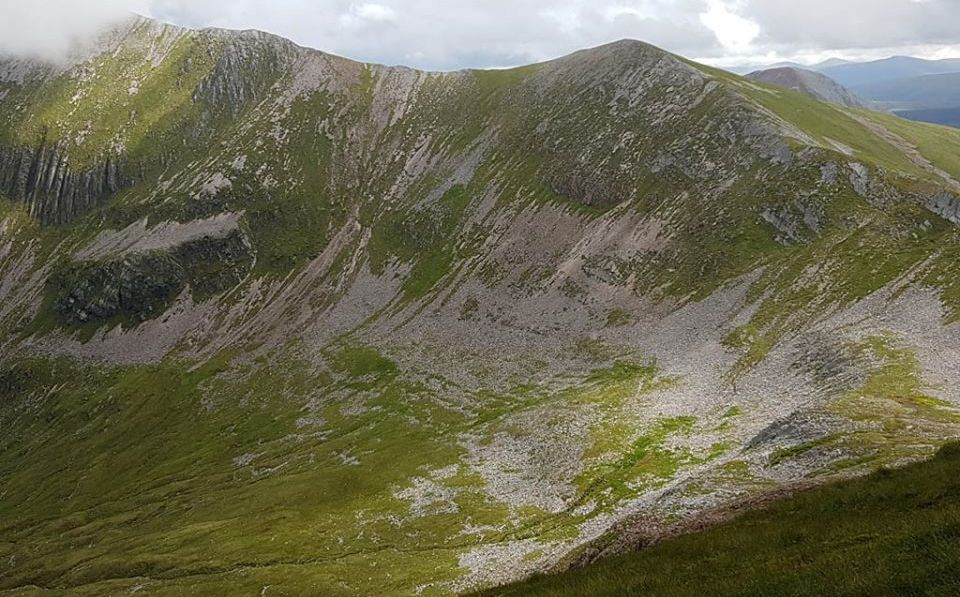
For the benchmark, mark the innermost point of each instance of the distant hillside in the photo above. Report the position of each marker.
(856, 75)
(947, 116)
(746, 70)
(811, 83)
(928, 92)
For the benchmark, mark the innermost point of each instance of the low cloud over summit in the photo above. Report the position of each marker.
(497, 33)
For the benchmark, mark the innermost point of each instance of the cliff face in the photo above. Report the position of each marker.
(141, 285)
(54, 193)
(248, 64)
(329, 327)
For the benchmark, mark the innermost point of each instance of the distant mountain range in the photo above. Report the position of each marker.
(898, 68)
(925, 92)
(928, 98)
(918, 89)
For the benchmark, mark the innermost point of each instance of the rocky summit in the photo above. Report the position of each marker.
(277, 322)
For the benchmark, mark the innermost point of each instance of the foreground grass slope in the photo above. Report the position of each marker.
(896, 532)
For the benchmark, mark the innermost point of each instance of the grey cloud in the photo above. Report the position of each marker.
(855, 24)
(442, 35)
(467, 33)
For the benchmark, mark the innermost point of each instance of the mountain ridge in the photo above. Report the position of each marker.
(439, 331)
(855, 74)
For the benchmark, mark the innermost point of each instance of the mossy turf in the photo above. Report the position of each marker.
(234, 475)
(896, 532)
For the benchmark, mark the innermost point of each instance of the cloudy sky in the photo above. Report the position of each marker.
(450, 34)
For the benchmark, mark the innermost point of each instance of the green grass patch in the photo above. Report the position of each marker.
(618, 318)
(362, 361)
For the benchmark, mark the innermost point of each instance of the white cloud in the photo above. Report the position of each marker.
(50, 29)
(362, 15)
(734, 32)
(374, 12)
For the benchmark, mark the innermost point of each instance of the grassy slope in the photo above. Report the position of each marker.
(896, 532)
(147, 498)
(866, 247)
(106, 114)
(289, 478)
(937, 143)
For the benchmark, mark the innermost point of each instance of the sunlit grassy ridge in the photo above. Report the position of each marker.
(92, 113)
(829, 124)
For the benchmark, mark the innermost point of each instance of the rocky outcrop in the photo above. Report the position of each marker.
(56, 193)
(249, 64)
(945, 204)
(140, 286)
